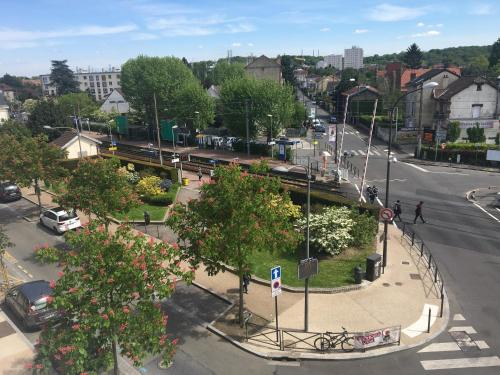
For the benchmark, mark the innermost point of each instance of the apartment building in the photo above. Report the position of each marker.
(98, 84)
(353, 58)
(337, 61)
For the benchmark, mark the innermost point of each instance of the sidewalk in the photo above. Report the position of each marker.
(16, 352)
(402, 297)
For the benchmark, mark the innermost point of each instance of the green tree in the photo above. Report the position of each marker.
(111, 292)
(478, 66)
(144, 77)
(287, 66)
(264, 97)
(236, 216)
(453, 131)
(62, 77)
(29, 105)
(11, 81)
(494, 58)
(193, 98)
(46, 113)
(476, 134)
(15, 128)
(77, 103)
(202, 70)
(299, 115)
(224, 72)
(30, 159)
(413, 56)
(98, 187)
(4, 244)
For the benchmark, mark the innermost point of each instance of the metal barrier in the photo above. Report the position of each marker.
(263, 334)
(298, 340)
(418, 245)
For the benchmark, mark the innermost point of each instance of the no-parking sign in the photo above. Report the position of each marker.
(386, 214)
(275, 281)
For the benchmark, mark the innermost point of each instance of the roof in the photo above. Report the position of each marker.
(360, 89)
(459, 85)
(431, 73)
(214, 91)
(119, 91)
(68, 137)
(5, 87)
(33, 290)
(264, 62)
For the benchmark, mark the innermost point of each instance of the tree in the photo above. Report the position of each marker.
(77, 104)
(264, 97)
(29, 105)
(11, 81)
(495, 54)
(46, 113)
(30, 159)
(478, 66)
(299, 115)
(453, 131)
(15, 128)
(202, 71)
(413, 56)
(110, 291)
(476, 134)
(224, 72)
(287, 67)
(144, 77)
(62, 77)
(193, 98)
(97, 187)
(236, 216)
(4, 244)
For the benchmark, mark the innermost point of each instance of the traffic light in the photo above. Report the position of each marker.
(147, 218)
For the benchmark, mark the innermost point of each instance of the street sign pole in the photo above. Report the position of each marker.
(276, 314)
(275, 292)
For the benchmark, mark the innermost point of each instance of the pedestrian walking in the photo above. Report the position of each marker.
(418, 213)
(369, 192)
(246, 281)
(200, 174)
(397, 210)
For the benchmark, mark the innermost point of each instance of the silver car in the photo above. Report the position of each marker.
(59, 220)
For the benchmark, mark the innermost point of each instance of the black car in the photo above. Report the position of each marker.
(9, 192)
(29, 303)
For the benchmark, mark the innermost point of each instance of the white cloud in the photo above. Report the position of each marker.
(324, 29)
(389, 13)
(188, 26)
(360, 31)
(236, 44)
(439, 25)
(144, 36)
(420, 24)
(250, 44)
(426, 33)
(482, 9)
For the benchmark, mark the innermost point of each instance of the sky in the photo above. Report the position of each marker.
(104, 33)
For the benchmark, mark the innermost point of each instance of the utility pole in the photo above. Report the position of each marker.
(158, 129)
(247, 127)
(419, 129)
(368, 149)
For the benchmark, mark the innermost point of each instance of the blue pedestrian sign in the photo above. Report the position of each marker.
(275, 281)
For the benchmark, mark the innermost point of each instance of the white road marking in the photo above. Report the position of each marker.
(498, 209)
(441, 364)
(458, 317)
(379, 202)
(467, 329)
(284, 363)
(417, 167)
(486, 212)
(458, 173)
(374, 152)
(440, 347)
(362, 152)
(362, 197)
(420, 326)
(481, 344)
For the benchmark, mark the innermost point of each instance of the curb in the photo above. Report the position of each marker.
(447, 165)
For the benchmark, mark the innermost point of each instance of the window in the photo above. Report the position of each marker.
(118, 83)
(99, 96)
(98, 84)
(97, 78)
(92, 91)
(476, 110)
(103, 77)
(105, 91)
(117, 76)
(110, 83)
(109, 76)
(104, 84)
(479, 87)
(98, 91)
(91, 78)
(84, 77)
(92, 84)
(85, 84)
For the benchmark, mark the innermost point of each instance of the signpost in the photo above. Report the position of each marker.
(386, 214)
(275, 292)
(307, 268)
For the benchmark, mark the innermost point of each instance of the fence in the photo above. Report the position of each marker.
(418, 245)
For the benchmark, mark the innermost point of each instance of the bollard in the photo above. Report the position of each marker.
(442, 303)
(412, 238)
(429, 322)
(436, 275)
(430, 260)
(422, 249)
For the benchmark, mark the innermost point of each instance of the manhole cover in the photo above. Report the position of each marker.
(386, 284)
(398, 283)
(405, 262)
(415, 276)
(463, 340)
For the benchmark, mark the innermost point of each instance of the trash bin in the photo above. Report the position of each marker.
(373, 264)
(358, 274)
(185, 181)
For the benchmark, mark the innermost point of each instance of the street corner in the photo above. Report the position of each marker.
(487, 200)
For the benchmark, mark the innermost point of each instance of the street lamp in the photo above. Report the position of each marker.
(271, 143)
(428, 85)
(67, 127)
(173, 135)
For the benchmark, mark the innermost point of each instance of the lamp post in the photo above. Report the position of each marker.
(173, 136)
(67, 127)
(419, 129)
(271, 136)
(158, 130)
(343, 131)
(428, 85)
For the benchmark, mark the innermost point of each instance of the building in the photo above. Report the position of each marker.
(470, 101)
(324, 84)
(361, 101)
(4, 108)
(68, 141)
(115, 102)
(321, 64)
(97, 84)
(265, 68)
(443, 77)
(353, 58)
(300, 76)
(214, 92)
(7, 92)
(337, 61)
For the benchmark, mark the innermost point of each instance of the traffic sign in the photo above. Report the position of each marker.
(443, 146)
(113, 143)
(386, 214)
(112, 148)
(275, 281)
(307, 268)
(175, 160)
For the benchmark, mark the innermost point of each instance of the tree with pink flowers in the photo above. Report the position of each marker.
(109, 294)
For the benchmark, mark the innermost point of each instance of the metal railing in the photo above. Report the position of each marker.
(418, 245)
(263, 334)
(298, 340)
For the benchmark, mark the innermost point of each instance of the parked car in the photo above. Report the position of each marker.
(9, 192)
(59, 220)
(28, 302)
(333, 120)
(319, 129)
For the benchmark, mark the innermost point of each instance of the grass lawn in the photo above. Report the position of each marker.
(333, 271)
(156, 213)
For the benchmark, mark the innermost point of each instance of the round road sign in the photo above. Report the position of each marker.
(276, 284)
(386, 214)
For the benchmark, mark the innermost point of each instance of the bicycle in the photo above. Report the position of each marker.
(332, 340)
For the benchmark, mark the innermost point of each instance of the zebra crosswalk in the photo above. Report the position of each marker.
(463, 352)
(373, 152)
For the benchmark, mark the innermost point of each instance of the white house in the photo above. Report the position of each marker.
(470, 101)
(115, 102)
(68, 141)
(4, 109)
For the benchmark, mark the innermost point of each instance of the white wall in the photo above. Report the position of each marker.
(461, 103)
(115, 102)
(4, 113)
(88, 149)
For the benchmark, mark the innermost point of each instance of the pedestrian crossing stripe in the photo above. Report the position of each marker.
(467, 329)
(442, 364)
(451, 346)
(363, 153)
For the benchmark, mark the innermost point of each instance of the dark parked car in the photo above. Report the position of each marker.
(9, 192)
(28, 302)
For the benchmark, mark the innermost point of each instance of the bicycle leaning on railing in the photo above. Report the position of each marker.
(330, 340)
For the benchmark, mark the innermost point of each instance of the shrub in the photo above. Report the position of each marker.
(147, 172)
(260, 167)
(364, 228)
(166, 184)
(453, 131)
(149, 186)
(161, 199)
(476, 134)
(47, 254)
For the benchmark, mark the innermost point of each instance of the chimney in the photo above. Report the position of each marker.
(445, 80)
